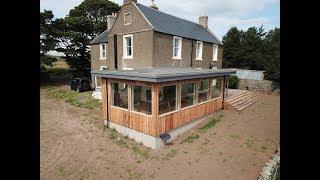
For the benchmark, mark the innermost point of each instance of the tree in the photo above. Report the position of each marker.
(252, 57)
(253, 49)
(95, 11)
(81, 25)
(48, 39)
(232, 52)
(272, 55)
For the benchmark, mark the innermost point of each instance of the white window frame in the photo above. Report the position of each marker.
(128, 69)
(179, 50)
(201, 50)
(215, 52)
(105, 50)
(124, 18)
(177, 101)
(125, 56)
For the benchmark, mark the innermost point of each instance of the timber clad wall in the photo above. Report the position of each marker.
(139, 122)
(125, 117)
(184, 116)
(154, 124)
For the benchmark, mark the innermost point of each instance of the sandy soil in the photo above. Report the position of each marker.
(75, 145)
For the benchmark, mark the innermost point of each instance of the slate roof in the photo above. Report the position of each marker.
(162, 74)
(169, 24)
(102, 38)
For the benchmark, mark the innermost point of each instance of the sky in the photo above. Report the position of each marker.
(222, 14)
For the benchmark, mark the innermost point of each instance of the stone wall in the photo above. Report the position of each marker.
(258, 85)
(271, 171)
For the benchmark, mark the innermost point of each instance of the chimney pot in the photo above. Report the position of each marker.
(153, 5)
(203, 21)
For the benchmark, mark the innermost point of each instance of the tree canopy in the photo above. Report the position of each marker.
(48, 38)
(253, 49)
(74, 32)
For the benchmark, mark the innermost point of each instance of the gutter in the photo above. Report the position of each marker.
(157, 79)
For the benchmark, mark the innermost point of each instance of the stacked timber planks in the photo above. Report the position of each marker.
(241, 100)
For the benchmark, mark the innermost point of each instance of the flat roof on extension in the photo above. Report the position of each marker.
(163, 74)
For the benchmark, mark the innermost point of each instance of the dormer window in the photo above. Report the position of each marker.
(177, 44)
(215, 52)
(103, 51)
(127, 18)
(199, 50)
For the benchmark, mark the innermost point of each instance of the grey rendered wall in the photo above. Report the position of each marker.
(142, 39)
(163, 52)
(96, 62)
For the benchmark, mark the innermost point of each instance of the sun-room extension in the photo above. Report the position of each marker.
(154, 101)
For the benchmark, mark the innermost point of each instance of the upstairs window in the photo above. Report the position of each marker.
(127, 18)
(128, 46)
(177, 44)
(215, 52)
(103, 51)
(199, 50)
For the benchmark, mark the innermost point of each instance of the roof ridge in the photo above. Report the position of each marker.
(193, 27)
(170, 15)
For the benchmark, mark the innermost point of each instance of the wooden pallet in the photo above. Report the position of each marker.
(241, 100)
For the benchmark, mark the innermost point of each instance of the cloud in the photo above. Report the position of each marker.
(220, 25)
(60, 8)
(222, 7)
(222, 14)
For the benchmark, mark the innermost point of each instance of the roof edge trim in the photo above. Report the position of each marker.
(143, 15)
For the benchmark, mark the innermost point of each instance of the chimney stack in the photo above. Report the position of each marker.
(203, 21)
(129, 1)
(110, 20)
(153, 5)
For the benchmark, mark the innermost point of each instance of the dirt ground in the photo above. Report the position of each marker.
(75, 145)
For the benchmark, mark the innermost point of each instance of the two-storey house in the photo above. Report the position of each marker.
(159, 75)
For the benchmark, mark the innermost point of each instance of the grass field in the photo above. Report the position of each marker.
(83, 100)
(60, 64)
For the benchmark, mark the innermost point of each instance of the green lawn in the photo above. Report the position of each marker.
(83, 99)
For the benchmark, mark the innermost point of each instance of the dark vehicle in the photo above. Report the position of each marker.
(80, 84)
